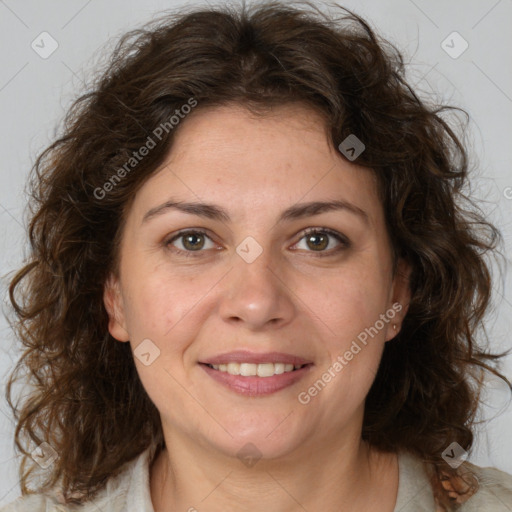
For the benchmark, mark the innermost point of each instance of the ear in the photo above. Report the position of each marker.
(114, 305)
(401, 297)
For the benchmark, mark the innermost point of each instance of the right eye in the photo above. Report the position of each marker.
(191, 241)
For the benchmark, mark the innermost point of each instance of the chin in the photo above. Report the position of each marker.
(259, 439)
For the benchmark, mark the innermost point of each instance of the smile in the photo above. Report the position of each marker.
(251, 369)
(251, 379)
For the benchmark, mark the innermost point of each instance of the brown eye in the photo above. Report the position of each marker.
(191, 241)
(320, 239)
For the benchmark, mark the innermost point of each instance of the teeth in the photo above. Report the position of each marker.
(250, 369)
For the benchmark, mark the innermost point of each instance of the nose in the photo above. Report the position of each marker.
(257, 294)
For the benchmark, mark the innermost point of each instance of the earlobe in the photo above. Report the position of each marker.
(401, 298)
(115, 309)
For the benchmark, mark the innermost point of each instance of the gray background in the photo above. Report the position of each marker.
(35, 92)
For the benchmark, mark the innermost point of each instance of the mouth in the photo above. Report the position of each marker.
(248, 357)
(252, 374)
(263, 370)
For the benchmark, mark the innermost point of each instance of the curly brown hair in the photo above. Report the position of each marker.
(87, 400)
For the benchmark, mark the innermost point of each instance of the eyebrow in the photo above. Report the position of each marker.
(294, 212)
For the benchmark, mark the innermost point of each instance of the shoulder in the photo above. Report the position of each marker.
(131, 485)
(112, 498)
(45, 503)
(35, 503)
(494, 493)
(48, 503)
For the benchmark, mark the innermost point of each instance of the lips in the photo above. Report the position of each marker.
(257, 385)
(244, 356)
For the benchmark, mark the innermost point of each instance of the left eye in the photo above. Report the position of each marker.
(319, 240)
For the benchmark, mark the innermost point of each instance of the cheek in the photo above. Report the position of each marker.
(353, 305)
(168, 309)
(347, 302)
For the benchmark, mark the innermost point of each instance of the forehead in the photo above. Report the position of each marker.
(228, 156)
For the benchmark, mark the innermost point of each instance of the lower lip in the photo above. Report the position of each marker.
(256, 386)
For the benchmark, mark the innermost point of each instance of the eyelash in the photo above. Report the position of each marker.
(344, 242)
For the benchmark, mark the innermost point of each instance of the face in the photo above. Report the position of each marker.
(257, 276)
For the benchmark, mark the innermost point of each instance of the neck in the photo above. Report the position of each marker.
(332, 477)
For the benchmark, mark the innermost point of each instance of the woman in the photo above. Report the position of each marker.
(254, 283)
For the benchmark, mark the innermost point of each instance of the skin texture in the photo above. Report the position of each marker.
(288, 300)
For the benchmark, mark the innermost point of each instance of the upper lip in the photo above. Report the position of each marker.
(245, 356)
